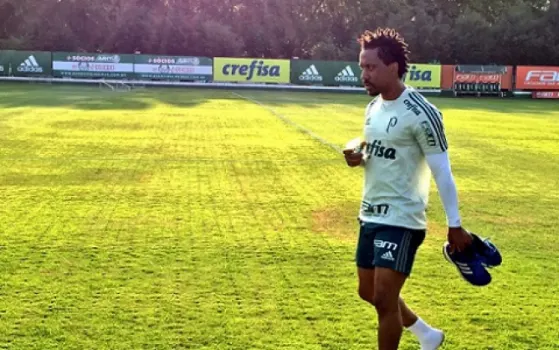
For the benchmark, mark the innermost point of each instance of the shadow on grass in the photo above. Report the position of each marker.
(309, 99)
(93, 97)
(499, 105)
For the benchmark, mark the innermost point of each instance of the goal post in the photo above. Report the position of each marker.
(115, 86)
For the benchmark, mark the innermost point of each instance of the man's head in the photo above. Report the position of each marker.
(383, 59)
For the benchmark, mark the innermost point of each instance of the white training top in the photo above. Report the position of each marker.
(399, 135)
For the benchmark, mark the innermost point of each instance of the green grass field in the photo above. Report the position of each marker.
(200, 219)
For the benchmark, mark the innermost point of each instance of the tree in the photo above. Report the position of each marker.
(466, 31)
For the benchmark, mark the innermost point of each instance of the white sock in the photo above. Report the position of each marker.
(420, 328)
(429, 337)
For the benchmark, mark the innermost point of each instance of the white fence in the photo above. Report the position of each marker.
(134, 83)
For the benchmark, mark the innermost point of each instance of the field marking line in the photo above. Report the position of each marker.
(292, 123)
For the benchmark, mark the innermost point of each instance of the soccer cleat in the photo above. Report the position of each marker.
(469, 265)
(487, 251)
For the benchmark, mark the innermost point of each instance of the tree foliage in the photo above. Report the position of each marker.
(447, 31)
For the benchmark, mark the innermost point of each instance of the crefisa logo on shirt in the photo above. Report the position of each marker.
(378, 150)
(412, 107)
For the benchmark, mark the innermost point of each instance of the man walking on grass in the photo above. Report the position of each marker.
(404, 143)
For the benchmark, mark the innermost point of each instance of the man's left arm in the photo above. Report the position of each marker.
(430, 133)
(439, 163)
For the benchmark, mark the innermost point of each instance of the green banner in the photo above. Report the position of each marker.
(25, 63)
(328, 73)
(173, 68)
(92, 65)
(5, 62)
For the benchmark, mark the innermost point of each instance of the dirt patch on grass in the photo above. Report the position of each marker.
(338, 221)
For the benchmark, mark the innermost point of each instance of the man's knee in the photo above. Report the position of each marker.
(385, 302)
(366, 288)
(366, 293)
(388, 284)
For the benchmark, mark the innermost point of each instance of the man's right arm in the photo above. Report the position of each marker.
(353, 159)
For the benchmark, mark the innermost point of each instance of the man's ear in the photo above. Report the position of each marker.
(393, 67)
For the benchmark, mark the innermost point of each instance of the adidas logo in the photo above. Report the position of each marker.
(310, 74)
(464, 268)
(30, 65)
(387, 256)
(346, 76)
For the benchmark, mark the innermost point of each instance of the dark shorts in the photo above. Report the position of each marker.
(387, 246)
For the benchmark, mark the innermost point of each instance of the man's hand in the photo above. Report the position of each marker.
(459, 239)
(352, 158)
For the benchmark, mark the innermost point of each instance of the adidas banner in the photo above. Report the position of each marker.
(173, 68)
(327, 73)
(25, 63)
(92, 65)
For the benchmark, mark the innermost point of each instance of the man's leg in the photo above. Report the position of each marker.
(429, 337)
(388, 284)
(408, 317)
(366, 256)
(367, 292)
(395, 250)
(366, 284)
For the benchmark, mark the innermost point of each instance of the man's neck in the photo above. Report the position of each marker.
(394, 92)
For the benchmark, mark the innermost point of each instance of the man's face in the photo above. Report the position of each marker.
(376, 75)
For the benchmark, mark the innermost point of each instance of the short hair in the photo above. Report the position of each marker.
(391, 45)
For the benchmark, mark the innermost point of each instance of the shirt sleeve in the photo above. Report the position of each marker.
(439, 164)
(428, 127)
